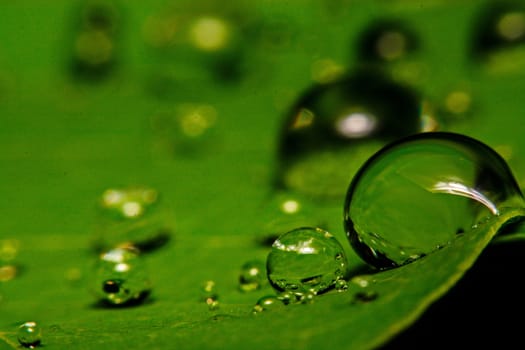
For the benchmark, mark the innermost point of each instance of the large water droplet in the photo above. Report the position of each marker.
(417, 194)
(29, 334)
(120, 277)
(132, 216)
(306, 260)
(333, 128)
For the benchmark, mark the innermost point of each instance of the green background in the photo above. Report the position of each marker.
(63, 141)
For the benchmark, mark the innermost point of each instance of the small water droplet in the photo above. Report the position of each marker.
(29, 334)
(386, 40)
(252, 276)
(268, 303)
(333, 128)
(9, 249)
(456, 181)
(120, 277)
(132, 216)
(210, 295)
(302, 261)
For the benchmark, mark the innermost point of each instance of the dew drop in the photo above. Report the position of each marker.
(303, 261)
(120, 277)
(386, 40)
(29, 334)
(252, 276)
(132, 216)
(268, 303)
(333, 128)
(411, 197)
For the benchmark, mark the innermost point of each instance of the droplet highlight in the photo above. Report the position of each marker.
(306, 260)
(418, 194)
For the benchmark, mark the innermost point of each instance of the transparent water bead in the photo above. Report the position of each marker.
(120, 277)
(417, 194)
(306, 260)
(133, 215)
(29, 334)
(333, 128)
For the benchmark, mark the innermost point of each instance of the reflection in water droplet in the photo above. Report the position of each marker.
(267, 303)
(29, 334)
(120, 277)
(132, 216)
(252, 276)
(456, 181)
(333, 128)
(305, 260)
(386, 40)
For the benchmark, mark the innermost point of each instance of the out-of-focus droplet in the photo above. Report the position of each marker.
(283, 212)
(9, 249)
(386, 40)
(333, 128)
(8, 272)
(457, 182)
(306, 260)
(187, 130)
(120, 277)
(210, 295)
(95, 42)
(29, 334)
(199, 43)
(132, 216)
(252, 276)
(268, 303)
(498, 36)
